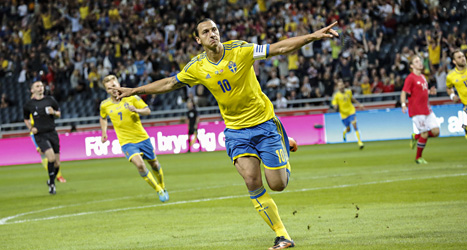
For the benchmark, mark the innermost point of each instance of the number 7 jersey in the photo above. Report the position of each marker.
(126, 123)
(232, 81)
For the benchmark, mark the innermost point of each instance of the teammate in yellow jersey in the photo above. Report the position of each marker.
(134, 140)
(457, 78)
(253, 133)
(342, 101)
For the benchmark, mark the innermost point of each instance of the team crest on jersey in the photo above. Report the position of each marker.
(233, 67)
(126, 105)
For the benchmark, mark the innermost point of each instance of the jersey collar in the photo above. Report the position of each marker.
(460, 72)
(223, 54)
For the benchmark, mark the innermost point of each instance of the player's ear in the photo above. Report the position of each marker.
(198, 40)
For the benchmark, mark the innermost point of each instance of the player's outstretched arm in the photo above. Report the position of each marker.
(158, 87)
(294, 43)
(358, 103)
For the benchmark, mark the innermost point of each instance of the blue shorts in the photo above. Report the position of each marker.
(267, 141)
(351, 118)
(143, 148)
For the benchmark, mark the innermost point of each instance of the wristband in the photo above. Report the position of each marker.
(452, 96)
(403, 104)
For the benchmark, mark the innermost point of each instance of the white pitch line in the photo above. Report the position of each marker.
(125, 209)
(4, 221)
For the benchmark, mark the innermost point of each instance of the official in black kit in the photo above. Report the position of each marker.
(39, 116)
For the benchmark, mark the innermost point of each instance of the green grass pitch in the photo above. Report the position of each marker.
(338, 198)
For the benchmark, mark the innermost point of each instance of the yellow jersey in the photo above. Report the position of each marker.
(27, 37)
(232, 81)
(126, 123)
(366, 88)
(293, 61)
(344, 102)
(434, 54)
(47, 21)
(458, 79)
(84, 12)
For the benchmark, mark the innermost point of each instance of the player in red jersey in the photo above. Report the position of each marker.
(416, 91)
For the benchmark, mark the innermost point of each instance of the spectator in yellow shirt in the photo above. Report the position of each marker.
(366, 86)
(434, 49)
(26, 38)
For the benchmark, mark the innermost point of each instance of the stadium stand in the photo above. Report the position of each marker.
(72, 45)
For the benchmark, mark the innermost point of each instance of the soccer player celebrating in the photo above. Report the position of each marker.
(416, 87)
(457, 78)
(134, 140)
(342, 101)
(253, 133)
(39, 116)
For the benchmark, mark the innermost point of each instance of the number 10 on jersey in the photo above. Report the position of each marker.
(281, 155)
(225, 85)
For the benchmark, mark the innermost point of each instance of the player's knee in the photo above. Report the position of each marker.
(435, 132)
(141, 168)
(51, 159)
(252, 181)
(156, 165)
(278, 187)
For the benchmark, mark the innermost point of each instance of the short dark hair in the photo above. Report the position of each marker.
(201, 21)
(32, 83)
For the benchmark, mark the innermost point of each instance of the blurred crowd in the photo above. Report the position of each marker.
(72, 45)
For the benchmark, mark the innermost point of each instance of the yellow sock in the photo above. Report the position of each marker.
(267, 209)
(358, 136)
(159, 176)
(59, 174)
(149, 178)
(44, 162)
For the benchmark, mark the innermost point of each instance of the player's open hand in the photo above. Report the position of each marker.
(326, 32)
(404, 109)
(121, 92)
